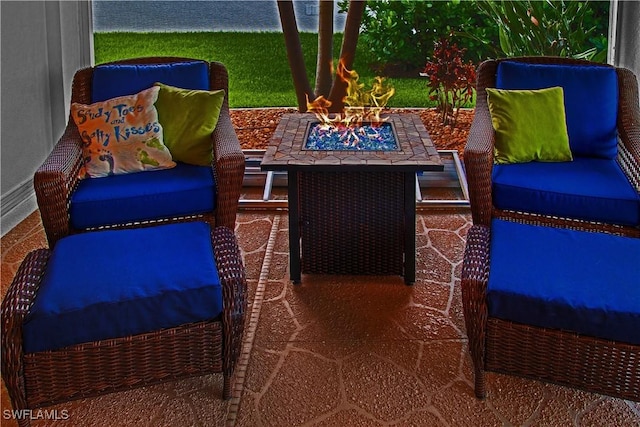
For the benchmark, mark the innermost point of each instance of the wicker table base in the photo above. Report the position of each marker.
(353, 211)
(354, 223)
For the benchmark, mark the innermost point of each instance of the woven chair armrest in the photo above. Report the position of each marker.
(234, 294)
(478, 162)
(229, 165)
(230, 270)
(475, 276)
(478, 152)
(628, 161)
(66, 156)
(54, 182)
(15, 306)
(629, 126)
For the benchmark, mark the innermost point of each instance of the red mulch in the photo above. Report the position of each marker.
(256, 126)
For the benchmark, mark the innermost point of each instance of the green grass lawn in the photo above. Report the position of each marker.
(259, 74)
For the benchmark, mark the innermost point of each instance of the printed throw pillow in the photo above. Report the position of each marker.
(188, 118)
(122, 135)
(530, 125)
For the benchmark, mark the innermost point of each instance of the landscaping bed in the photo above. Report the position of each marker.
(255, 126)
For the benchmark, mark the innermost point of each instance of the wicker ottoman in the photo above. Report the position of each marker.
(555, 305)
(113, 310)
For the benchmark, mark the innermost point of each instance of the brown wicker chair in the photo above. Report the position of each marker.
(479, 150)
(498, 345)
(57, 178)
(90, 369)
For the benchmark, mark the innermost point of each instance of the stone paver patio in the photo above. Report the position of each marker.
(341, 350)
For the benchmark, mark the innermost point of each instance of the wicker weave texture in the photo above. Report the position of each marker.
(57, 178)
(565, 358)
(478, 154)
(90, 369)
(557, 356)
(111, 365)
(352, 222)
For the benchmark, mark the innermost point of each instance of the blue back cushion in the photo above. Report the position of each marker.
(564, 279)
(590, 96)
(179, 191)
(110, 81)
(111, 284)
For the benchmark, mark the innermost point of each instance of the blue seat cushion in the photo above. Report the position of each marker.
(117, 283)
(587, 188)
(555, 278)
(590, 98)
(110, 81)
(179, 191)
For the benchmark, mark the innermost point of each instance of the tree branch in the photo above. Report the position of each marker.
(294, 53)
(325, 49)
(347, 52)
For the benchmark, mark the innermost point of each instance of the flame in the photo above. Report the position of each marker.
(360, 105)
(320, 107)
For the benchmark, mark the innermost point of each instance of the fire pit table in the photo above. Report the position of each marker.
(352, 211)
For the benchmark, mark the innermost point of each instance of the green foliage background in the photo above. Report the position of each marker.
(556, 28)
(259, 74)
(404, 31)
(400, 33)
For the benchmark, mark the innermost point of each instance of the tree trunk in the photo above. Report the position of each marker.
(347, 52)
(325, 46)
(294, 53)
(325, 49)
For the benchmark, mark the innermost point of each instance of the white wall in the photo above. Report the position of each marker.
(42, 44)
(627, 45)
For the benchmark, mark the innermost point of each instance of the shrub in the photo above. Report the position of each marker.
(402, 33)
(451, 81)
(555, 28)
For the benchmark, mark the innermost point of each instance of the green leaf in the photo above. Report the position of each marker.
(504, 42)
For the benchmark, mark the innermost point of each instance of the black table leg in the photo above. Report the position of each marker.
(294, 227)
(409, 228)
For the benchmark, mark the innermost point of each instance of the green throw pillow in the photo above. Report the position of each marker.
(188, 117)
(530, 125)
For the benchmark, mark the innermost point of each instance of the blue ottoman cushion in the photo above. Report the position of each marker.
(590, 98)
(110, 81)
(117, 283)
(583, 282)
(591, 189)
(179, 191)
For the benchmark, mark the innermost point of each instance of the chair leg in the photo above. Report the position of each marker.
(226, 390)
(480, 389)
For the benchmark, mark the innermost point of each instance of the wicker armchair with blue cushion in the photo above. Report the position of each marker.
(550, 271)
(593, 183)
(115, 167)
